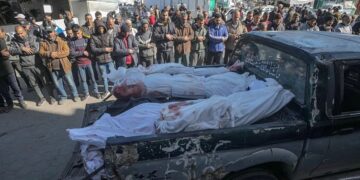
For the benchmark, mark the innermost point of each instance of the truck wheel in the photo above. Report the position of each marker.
(255, 174)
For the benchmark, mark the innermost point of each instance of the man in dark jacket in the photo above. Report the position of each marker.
(101, 44)
(277, 24)
(55, 52)
(7, 79)
(198, 46)
(125, 47)
(25, 46)
(80, 50)
(164, 32)
(218, 34)
(146, 45)
(184, 36)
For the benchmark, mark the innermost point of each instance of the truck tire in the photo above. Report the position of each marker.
(253, 174)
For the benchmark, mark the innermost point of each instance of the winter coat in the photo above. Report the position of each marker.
(143, 39)
(217, 35)
(160, 30)
(15, 49)
(99, 42)
(182, 46)
(197, 45)
(233, 33)
(120, 50)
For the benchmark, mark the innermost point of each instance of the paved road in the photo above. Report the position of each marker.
(34, 143)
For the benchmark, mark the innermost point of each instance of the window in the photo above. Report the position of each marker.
(348, 87)
(267, 62)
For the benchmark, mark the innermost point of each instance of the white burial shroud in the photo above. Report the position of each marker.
(216, 112)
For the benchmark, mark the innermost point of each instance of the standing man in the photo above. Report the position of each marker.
(89, 27)
(69, 19)
(328, 22)
(146, 45)
(125, 47)
(102, 44)
(164, 32)
(80, 50)
(184, 36)
(55, 51)
(25, 46)
(310, 24)
(235, 29)
(345, 25)
(198, 46)
(277, 24)
(8, 79)
(218, 34)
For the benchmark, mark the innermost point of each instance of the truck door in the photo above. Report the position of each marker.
(343, 153)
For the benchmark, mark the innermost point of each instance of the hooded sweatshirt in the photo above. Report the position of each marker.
(99, 42)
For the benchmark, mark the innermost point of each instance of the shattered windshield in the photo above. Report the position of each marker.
(268, 62)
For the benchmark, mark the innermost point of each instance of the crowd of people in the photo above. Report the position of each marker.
(81, 56)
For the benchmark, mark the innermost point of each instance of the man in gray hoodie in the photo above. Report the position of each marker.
(146, 45)
(26, 47)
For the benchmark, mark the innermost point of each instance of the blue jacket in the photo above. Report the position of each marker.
(217, 36)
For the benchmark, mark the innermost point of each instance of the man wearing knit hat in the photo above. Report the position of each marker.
(146, 45)
(126, 47)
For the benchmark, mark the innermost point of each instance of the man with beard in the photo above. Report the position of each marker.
(344, 26)
(25, 46)
(277, 24)
(310, 24)
(199, 43)
(102, 44)
(182, 39)
(7, 79)
(218, 34)
(249, 18)
(69, 19)
(256, 20)
(294, 24)
(89, 27)
(164, 32)
(146, 45)
(235, 28)
(55, 51)
(328, 22)
(125, 47)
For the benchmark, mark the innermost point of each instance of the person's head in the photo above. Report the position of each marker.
(100, 27)
(257, 17)
(262, 26)
(280, 6)
(48, 17)
(217, 18)
(128, 23)
(278, 19)
(265, 17)
(249, 15)
(205, 14)
(20, 17)
(136, 15)
(346, 19)
(69, 33)
(20, 32)
(78, 33)
(50, 30)
(144, 25)
(295, 18)
(125, 92)
(311, 20)
(165, 16)
(125, 30)
(184, 17)
(236, 15)
(88, 18)
(200, 21)
(110, 22)
(98, 15)
(118, 19)
(69, 15)
(329, 20)
(26, 25)
(2, 33)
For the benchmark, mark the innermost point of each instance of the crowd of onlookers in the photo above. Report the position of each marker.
(81, 56)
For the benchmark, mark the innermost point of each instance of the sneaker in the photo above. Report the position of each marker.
(76, 99)
(41, 102)
(84, 98)
(61, 101)
(52, 101)
(22, 104)
(97, 96)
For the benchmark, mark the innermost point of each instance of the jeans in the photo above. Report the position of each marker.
(83, 71)
(182, 58)
(58, 79)
(165, 56)
(5, 83)
(146, 61)
(33, 74)
(106, 68)
(197, 58)
(214, 58)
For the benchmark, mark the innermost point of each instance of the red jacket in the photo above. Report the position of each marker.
(152, 20)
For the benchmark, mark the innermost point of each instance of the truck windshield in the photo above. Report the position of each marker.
(267, 62)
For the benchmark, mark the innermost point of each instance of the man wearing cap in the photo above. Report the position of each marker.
(345, 26)
(182, 40)
(310, 24)
(20, 17)
(25, 46)
(236, 28)
(218, 34)
(55, 51)
(7, 79)
(146, 45)
(164, 32)
(198, 46)
(125, 48)
(80, 50)
(102, 44)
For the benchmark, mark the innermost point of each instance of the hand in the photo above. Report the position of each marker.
(5, 53)
(169, 37)
(131, 51)
(86, 53)
(27, 50)
(186, 38)
(149, 45)
(109, 49)
(201, 38)
(53, 55)
(224, 39)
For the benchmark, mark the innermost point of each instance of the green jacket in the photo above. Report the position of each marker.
(197, 45)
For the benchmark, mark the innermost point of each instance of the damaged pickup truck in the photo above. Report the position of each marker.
(316, 135)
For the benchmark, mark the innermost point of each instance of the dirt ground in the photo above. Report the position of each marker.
(34, 143)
